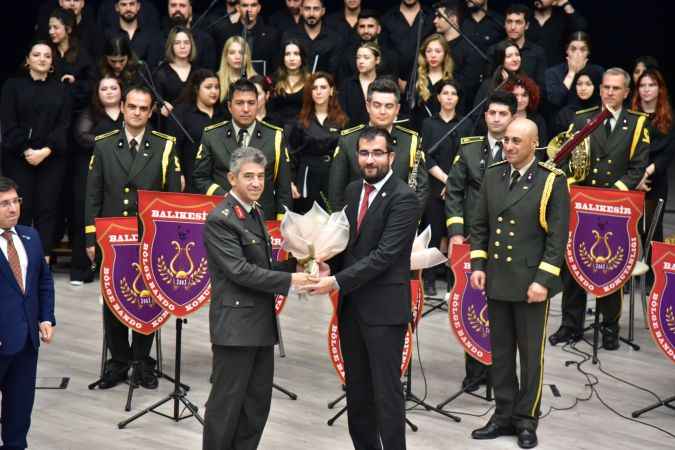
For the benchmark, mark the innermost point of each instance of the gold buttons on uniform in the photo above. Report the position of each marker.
(511, 233)
(498, 231)
(597, 159)
(496, 256)
(499, 219)
(609, 173)
(126, 189)
(126, 202)
(593, 182)
(125, 213)
(509, 259)
(595, 170)
(509, 247)
(609, 161)
(497, 244)
(512, 222)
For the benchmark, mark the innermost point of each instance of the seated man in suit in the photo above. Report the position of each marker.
(373, 276)
(26, 315)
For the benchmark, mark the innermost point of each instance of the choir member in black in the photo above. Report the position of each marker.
(586, 90)
(264, 86)
(400, 25)
(434, 64)
(552, 21)
(288, 17)
(651, 97)
(262, 39)
(235, 55)
(224, 14)
(120, 61)
(368, 29)
(198, 107)
(439, 162)
(468, 62)
(72, 64)
(482, 25)
(143, 39)
(534, 59)
(312, 139)
(171, 76)
(85, 22)
(641, 64)
(107, 16)
(35, 115)
(354, 90)
(102, 115)
(528, 95)
(322, 44)
(344, 20)
(290, 78)
(180, 14)
(559, 78)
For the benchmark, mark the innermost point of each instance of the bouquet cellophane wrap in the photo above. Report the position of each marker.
(423, 257)
(315, 235)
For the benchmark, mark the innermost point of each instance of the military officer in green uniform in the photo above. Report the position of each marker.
(221, 139)
(383, 104)
(518, 237)
(462, 188)
(124, 161)
(618, 158)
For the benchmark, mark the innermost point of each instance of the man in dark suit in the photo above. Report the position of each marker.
(221, 139)
(373, 277)
(241, 314)
(518, 239)
(26, 316)
(125, 161)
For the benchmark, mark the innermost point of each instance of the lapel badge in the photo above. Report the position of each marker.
(120, 143)
(384, 194)
(229, 133)
(26, 237)
(239, 211)
(624, 128)
(258, 134)
(147, 144)
(225, 212)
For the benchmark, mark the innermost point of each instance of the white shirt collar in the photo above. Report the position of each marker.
(524, 169)
(382, 182)
(615, 114)
(247, 206)
(492, 141)
(249, 130)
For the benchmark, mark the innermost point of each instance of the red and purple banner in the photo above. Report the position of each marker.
(173, 256)
(122, 285)
(602, 246)
(468, 309)
(661, 303)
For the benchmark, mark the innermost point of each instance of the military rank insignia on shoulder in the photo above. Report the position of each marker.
(352, 129)
(269, 125)
(584, 111)
(406, 130)
(497, 164)
(106, 135)
(551, 167)
(471, 139)
(164, 136)
(216, 125)
(637, 113)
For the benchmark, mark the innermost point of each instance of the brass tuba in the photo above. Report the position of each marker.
(580, 158)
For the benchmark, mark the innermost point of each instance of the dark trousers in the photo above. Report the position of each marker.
(521, 327)
(17, 385)
(574, 305)
(240, 398)
(375, 402)
(40, 187)
(117, 335)
(475, 368)
(80, 263)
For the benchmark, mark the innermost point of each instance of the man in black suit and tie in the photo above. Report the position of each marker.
(26, 315)
(373, 277)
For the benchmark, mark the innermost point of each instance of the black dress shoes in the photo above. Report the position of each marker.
(492, 431)
(472, 384)
(564, 335)
(112, 377)
(610, 338)
(148, 379)
(527, 439)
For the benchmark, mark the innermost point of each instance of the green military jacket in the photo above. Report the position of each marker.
(620, 160)
(518, 236)
(213, 163)
(345, 168)
(464, 181)
(115, 177)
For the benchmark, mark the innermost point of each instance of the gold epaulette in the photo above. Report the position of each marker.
(637, 113)
(551, 167)
(406, 130)
(105, 135)
(498, 163)
(352, 129)
(164, 136)
(471, 140)
(269, 125)
(216, 125)
(582, 111)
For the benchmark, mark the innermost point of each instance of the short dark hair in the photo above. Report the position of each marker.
(503, 98)
(241, 85)
(370, 133)
(7, 184)
(138, 88)
(384, 85)
(450, 7)
(369, 14)
(519, 8)
(447, 82)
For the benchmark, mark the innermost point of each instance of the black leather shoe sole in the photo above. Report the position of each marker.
(492, 431)
(563, 336)
(527, 440)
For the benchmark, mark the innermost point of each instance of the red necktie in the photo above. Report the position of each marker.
(13, 258)
(368, 189)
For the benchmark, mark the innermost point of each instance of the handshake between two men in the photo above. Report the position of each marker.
(312, 284)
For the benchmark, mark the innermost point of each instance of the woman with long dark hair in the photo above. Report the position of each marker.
(289, 82)
(651, 97)
(120, 61)
(354, 90)
(312, 139)
(264, 86)
(35, 112)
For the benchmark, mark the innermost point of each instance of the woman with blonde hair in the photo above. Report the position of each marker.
(236, 54)
(434, 64)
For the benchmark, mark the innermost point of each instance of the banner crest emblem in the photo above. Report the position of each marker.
(661, 302)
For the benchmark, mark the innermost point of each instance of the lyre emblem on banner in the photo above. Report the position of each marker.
(670, 319)
(139, 296)
(180, 272)
(601, 256)
(479, 322)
